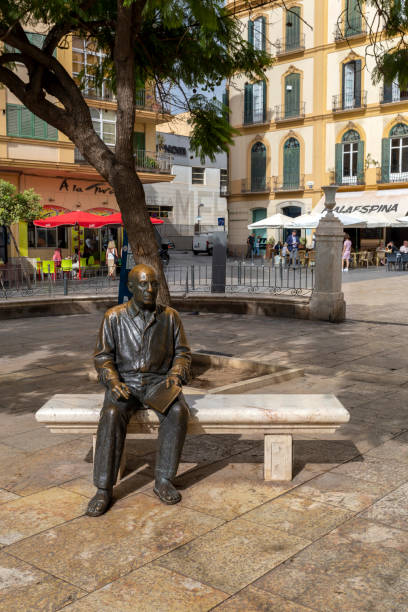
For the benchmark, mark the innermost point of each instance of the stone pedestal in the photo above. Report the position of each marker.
(327, 303)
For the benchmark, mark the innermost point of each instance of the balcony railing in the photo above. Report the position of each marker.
(146, 161)
(290, 182)
(286, 113)
(153, 161)
(258, 118)
(224, 190)
(256, 185)
(348, 27)
(346, 180)
(348, 102)
(144, 99)
(288, 45)
(396, 95)
(391, 177)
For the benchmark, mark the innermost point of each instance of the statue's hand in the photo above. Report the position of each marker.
(173, 379)
(119, 389)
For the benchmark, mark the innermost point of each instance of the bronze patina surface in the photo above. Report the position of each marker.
(141, 347)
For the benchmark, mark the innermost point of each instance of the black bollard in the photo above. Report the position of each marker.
(219, 262)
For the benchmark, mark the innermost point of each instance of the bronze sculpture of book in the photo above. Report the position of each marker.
(160, 396)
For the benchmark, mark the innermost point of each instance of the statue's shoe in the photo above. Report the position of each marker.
(99, 504)
(167, 492)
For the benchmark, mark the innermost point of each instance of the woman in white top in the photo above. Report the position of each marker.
(111, 256)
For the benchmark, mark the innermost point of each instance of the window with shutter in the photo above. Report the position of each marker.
(291, 164)
(258, 167)
(258, 102)
(292, 95)
(292, 29)
(251, 32)
(248, 103)
(12, 120)
(353, 19)
(22, 122)
(351, 152)
(398, 151)
(385, 160)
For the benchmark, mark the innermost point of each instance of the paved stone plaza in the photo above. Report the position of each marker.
(335, 538)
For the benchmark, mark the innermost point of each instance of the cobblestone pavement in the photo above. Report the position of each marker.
(335, 538)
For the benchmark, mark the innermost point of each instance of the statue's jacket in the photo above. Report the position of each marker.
(137, 350)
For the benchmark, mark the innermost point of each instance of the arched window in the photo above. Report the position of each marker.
(350, 159)
(258, 167)
(394, 162)
(291, 164)
(292, 95)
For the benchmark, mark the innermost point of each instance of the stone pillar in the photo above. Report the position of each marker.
(327, 303)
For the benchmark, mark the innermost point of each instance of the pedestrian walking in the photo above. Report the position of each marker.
(111, 258)
(293, 248)
(345, 256)
(250, 246)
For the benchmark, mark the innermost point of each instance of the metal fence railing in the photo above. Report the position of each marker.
(243, 277)
(240, 277)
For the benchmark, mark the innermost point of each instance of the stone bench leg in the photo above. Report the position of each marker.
(122, 466)
(278, 457)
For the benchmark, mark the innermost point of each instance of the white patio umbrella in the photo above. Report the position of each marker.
(311, 220)
(275, 221)
(379, 220)
(402, 221)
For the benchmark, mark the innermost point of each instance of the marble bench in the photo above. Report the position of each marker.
(278, 417)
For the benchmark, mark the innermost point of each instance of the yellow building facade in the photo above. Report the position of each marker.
(316, 120)
(35, 155)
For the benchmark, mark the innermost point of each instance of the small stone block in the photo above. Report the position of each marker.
(278, 457)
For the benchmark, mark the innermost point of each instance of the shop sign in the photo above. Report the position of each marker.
(96, 188)
(365, 208)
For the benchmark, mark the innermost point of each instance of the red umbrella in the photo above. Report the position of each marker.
(116, 219)
(76, 217)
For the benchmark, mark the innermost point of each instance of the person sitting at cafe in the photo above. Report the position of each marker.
(57, 257)
(404, 247)
(391, 248)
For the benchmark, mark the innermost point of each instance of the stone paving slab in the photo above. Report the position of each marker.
(335, 538)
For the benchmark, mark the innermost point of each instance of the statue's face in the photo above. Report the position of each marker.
(144, 285)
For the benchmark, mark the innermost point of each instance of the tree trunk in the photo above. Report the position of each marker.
(131, 201)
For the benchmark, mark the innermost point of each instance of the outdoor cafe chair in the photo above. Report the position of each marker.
(48, 267)
(392, 260)
(404, 260)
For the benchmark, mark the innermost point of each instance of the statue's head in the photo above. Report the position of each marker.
(144, 285)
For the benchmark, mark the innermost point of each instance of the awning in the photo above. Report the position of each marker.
(385, 205)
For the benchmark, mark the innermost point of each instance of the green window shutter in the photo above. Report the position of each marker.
(248, 104)
(360, 162)
(264, 99)
(357, 83)
(291, 164)
(339, 163)
(27, 123)
(39, 128)
(353, 20)
(385, 160)
(251, 32)
(263, 31)
(36, 39)
(51, 133)
(292, 95)
(139, 141)
(258, 167)
(292, 28)
(387, 92)
(13, 119)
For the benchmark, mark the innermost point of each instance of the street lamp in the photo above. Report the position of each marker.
(198, 217)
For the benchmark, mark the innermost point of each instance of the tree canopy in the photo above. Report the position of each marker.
(15, 206)
(170, 44)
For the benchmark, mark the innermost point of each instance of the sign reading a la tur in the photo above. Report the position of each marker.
(95, 188)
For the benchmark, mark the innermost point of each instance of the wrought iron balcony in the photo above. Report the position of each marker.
(291, 182)
(284, 112)
(393, 96)
(346, 102)
(391, 177)
(289, 45)
(346, 180)
(348, 27)
(258, 118)
(145, 161)
(153, 161)
(256, 185)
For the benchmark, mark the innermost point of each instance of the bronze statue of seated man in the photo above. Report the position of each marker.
(141, 347)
